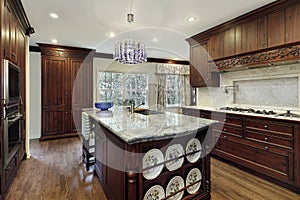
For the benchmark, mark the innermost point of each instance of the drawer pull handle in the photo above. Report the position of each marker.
(8, 168)
(225, 137)
(266, 148)
(266, 139)
(266, 126)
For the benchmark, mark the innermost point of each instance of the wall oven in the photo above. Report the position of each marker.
(12, 135)
(11, 83)
(13, 118)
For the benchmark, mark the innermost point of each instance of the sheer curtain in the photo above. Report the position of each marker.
(183, 71)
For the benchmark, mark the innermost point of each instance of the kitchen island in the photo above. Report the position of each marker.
(154, 156)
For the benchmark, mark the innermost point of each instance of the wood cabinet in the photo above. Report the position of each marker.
(264, 146)
(200, 74)
(14, 25)
(11, 34)
(66, 89)
(251, 38)
(119, 166)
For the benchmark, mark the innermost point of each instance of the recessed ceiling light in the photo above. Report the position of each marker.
(154, 39)
(53, 15)
(54, 41)
(112, 34)
(191, 19)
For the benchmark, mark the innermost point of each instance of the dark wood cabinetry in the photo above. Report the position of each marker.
(264, 146)
(119, 165)
(200, 74)
(66, 89)
(14, 26)
(248, 39)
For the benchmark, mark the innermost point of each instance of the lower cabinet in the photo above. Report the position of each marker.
(267, 147)
(271, 161)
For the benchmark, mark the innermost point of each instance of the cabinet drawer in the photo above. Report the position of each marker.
(266, 125)
(227, 119)
(270, 139)
(191, 112)
(276, 164)
(229, 129)
(10, 170)
(204, 114)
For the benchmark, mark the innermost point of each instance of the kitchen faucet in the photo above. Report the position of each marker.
(132, 106)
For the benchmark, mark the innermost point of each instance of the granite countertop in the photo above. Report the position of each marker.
(136, 128)
(296, 111)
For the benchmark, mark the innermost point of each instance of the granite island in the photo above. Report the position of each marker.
(154, 156)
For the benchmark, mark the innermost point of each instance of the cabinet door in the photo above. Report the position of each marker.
(276, 26)
(54, 93)
(13, 39)
(6, 32)
(80, 90)
(199, 65)
(292, 25)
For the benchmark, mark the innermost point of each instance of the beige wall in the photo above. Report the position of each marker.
(34, 95)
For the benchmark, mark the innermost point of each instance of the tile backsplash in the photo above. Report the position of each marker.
(278, 92)
(275, 86)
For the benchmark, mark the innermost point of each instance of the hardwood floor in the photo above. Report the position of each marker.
(230, 183)
(55, 172)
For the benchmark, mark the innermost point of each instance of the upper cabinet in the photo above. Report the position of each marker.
(267, 34)
(201, 75)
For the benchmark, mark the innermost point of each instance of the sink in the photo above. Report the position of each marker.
(149, 112)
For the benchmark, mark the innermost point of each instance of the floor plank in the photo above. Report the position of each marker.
(55, 172)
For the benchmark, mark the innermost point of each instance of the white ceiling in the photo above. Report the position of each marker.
(88, 23)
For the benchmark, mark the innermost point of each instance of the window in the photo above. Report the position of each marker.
(120, 88)
(137, 87)
(172, 90)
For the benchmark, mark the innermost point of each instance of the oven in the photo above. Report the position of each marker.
(12, 135)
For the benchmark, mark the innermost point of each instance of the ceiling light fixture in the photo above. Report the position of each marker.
(54, 41)
(112, 34)
(154, 39)
(129, 51)
(191, 19)
(53, 15)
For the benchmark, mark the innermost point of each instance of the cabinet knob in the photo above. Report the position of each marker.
(225, 137)
(266, 139)
(225, 120)
(225, 129)
(266, 148)
(8, 168)
(266, 126)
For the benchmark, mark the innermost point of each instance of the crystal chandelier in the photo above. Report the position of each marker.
(129, 51)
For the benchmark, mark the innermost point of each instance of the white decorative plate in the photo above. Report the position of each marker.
(175, 184)
(193, 176)
(152, 158)
(174, 151)
(192, 146)
(156, 192)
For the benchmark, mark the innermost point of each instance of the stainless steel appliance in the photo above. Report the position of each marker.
(11, 83)
(287, 114)
(12, 116)
(12, 135)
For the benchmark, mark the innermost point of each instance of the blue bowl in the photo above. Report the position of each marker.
(103, 105)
